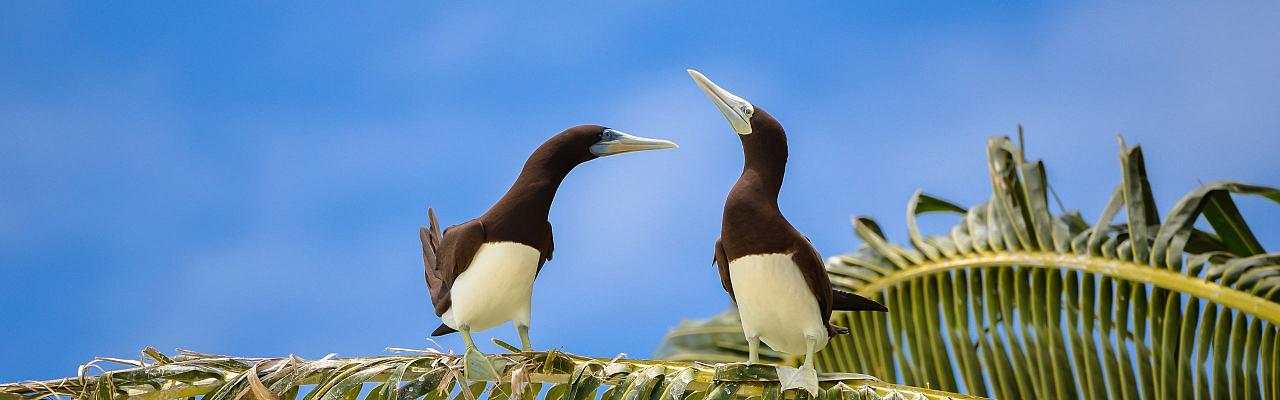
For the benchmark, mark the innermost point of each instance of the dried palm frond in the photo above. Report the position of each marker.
(433, 376)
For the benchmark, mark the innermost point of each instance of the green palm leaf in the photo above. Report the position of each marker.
(1016, 302)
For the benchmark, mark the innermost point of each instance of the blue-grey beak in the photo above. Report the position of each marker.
(616, 142)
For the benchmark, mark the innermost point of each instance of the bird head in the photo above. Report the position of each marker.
(759, 131)
(587, 142)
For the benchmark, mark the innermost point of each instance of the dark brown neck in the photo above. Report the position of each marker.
(753, 224)
(529, 199)
(765, 164)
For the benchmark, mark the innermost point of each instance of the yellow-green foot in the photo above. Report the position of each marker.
(804, 377)
(478, 367)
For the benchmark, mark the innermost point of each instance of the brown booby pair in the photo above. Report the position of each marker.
(771, 271)
(480, 273)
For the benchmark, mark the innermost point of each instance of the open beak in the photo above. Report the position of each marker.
(735, 109)
(616, 142)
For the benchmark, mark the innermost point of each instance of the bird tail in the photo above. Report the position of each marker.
(845, 301)
(430, 242)
(431, 239)
(443, 330)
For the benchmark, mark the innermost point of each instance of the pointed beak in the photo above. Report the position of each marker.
(616, 142)
(735, 109)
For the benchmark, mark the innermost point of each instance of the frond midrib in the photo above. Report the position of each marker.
(1119, 269)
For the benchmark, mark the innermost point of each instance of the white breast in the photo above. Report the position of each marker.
(495, 288)
(775, 303)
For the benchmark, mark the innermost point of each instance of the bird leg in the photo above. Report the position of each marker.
(753, 349)
(807, 377)
(466, 337)
(524, 337)
(810, 347)
(478, 366)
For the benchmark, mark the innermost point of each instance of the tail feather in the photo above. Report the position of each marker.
(443, 330)
(435, 223)
(845, 301)
(430, 241)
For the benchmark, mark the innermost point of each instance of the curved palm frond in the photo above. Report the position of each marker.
(1015, 302)
(434, 376)
(715, 339)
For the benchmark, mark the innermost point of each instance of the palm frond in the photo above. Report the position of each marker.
(433, 376)
(1016, 302)
(715, 339)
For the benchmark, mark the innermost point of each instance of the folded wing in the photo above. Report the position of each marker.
(807, 257)
(447, 255)
(722, 262)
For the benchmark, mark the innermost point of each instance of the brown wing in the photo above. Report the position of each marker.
(546, 248)
(815, 274)
(722, 262)
(447, 255)
(806, 257)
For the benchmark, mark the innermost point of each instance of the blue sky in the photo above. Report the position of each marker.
(233, 178)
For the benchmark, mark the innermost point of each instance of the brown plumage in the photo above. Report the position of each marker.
(520, 216)
(753, 223)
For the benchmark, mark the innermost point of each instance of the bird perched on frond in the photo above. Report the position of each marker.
(770, 270)
(480, 273)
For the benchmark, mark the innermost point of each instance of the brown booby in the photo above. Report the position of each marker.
(480, 273)
(771, 271)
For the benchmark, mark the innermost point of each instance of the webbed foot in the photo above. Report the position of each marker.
(478, 367)
(804, 377)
